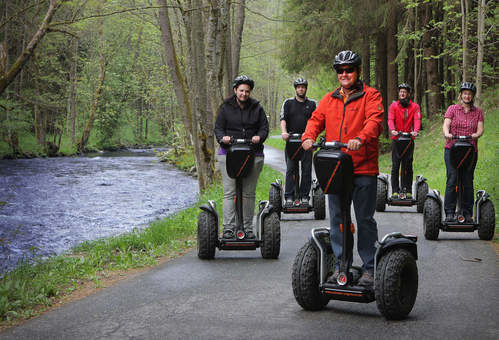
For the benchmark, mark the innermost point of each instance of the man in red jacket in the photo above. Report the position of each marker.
(352, 114)
(403, 116)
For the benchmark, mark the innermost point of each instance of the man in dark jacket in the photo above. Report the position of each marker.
(240, 117)
(295, 112)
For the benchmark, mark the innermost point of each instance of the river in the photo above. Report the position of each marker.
(48, 205)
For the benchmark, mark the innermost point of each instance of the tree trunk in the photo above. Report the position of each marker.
(391, 55)
(237, 38)
(381, 72)
(366, 58)
(72, 94)
(479, 58)
(464, 33)
(27, 53)
(430, 51)
(229, 76)
(98, 91)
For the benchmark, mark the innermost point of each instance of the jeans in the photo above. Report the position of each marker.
(406, 161)
(229, 193)
(450, 199)
(364, 203)
(306, 177)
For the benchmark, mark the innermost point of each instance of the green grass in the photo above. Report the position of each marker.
(30, 288)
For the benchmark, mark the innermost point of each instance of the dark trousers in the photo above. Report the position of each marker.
(406, 162)
(450, 199)
(364, 204)
(306, 176)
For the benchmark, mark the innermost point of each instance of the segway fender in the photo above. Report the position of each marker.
(420, 179)
(434, 195)
(384, 178)
(210, 207)
(481, 197)
(265, 209)
(396, 243)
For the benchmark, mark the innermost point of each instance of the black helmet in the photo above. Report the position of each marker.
(300, 81)
(243, 80)
(467, 86)
(347, 58)
(405, 86)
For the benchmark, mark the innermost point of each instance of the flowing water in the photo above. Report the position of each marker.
(48, 205)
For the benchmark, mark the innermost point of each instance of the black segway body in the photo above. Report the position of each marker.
(420, 188)
(239, 162)
(295, 152)
(396, 277)
(461, 158)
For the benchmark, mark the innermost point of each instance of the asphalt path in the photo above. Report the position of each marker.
(240, 295)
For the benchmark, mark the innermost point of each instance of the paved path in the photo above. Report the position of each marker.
(240, 295)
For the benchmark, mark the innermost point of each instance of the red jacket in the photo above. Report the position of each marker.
(360, 116)
(404, 119)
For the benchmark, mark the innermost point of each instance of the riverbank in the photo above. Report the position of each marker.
(35, 287)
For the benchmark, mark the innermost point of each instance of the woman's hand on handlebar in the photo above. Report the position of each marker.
(354, 144)
(255, 139)
(394, 133)
(414, 133)
(449, 136)
(285, 136)
(226, 139)
(307, 144)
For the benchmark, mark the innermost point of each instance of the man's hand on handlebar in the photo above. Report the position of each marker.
(255, 139)
(394, 133)
(307, 144)
(475, 136)
(354, 144)
(414, 133)
(285, 136)
(449, 136)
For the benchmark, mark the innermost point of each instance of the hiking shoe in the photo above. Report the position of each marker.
(408, 195)
(395, 195)
(366, 280)
(333, 278)
(249, 235)
(304, 200)
(468, 219)
(288, 203)
(228, 233)
(450, 218)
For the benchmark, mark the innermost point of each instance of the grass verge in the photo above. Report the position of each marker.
(33, 287)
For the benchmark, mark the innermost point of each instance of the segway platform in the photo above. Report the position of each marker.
(350, 293)
(234, 244)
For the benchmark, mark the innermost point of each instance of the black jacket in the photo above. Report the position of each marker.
(241, 123)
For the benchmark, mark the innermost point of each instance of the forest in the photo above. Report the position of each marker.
(80, 75)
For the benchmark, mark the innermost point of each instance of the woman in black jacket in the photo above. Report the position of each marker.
(240, 116)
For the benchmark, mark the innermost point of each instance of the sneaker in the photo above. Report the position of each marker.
(288, 203)
(366, 280)
(228, 233)
(304, 200)
(395, 195)
(250, 235)
(408, 195)
(450, 218)
(334, 278)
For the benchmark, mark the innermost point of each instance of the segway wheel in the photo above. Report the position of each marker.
(396, 285)
(487, 221)
(271, 237)
(275, 200)
(207, 235)
(431, 219)
(422, 192)
(319, 203)
(305, 279)
(381, 192)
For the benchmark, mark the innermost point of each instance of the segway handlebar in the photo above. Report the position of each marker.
(329, 145)
(239, 141)
(463, 138)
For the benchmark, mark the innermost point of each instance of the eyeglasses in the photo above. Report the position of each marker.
(347, 70)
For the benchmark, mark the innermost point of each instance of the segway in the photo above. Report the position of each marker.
(396, 274)
(240, 159)
(420, 188)
(461, 153)
(295, 152)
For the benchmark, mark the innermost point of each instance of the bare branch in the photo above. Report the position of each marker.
(6, 21)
